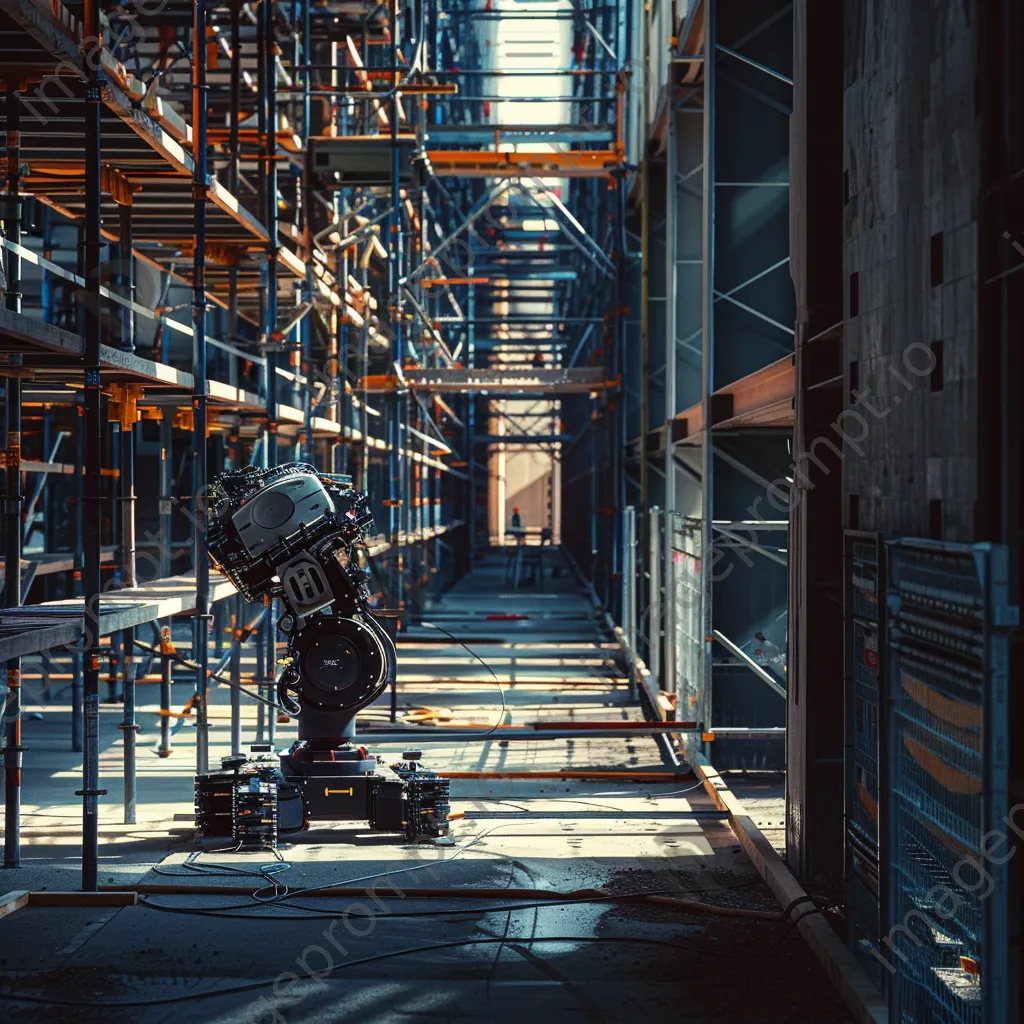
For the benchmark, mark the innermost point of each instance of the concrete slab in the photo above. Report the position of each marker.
(270, 954)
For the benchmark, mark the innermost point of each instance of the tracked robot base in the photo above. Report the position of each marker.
(291, 533)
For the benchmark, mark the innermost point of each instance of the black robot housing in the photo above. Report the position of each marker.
(292, 533)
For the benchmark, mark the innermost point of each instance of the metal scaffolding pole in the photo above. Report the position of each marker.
(655, 598)
(13, 498)
(629, 576)
(268, 159)
(129, 727)
(93, 403)
(268, 108)
(235, 664)
(671, 329)
(234, 155)
(77, 662)
(394, 248)
(201, 621)
(126, 497)
(708, 359)
(306, 226)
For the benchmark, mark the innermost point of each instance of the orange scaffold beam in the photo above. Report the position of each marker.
(595, 163)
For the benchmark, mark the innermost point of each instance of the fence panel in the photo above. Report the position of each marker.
(945, 675)
(861, 656)
(686, 625)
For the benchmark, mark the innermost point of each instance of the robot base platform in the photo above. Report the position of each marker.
(252, 801)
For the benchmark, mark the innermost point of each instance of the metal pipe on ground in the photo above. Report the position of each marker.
(583, 776)
(504, 735)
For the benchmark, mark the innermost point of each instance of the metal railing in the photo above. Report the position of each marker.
(687, 649)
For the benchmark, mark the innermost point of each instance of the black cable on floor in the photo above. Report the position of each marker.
(315, 915)
(501, 690)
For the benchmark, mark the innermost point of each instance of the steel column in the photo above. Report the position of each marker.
(271, 335)
(13, 499)
(629, 574)
(235, 664)
(655, 601)
(394, 249)
(93, 403)
(126, 558)
(201, 621)
(708, 348)
(268, 158)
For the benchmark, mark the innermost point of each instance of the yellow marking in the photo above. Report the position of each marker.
(346, 792)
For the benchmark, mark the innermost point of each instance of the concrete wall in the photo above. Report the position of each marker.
(911, 153)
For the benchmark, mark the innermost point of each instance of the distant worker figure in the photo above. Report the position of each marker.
(514, 563)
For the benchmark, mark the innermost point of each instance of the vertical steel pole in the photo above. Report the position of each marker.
(470, 412)
(268, 109)
(655, 606)
(236, 674)
(261, 674)
(364, 415)
(129, 727)
(166, 692)
(218, 613)
(126, 271)
(269, 86)
(672, 624)
(126, 483)
(629, 576)
(671, 304)
(234, 155)
(46, 281)
(271, 673)
(306, 226)
(77, 663)
(234, 148)
(342, 454)
(593, 511)
(93, 402)
(708, 356)
(645, 264)
(394, 274)
(165, 535)
(621, 338)
(671, 604)
(200, 624)
(13, 498)
(114, 582)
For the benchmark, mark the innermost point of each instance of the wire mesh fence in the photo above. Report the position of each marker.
(946, 780)
(861, 676)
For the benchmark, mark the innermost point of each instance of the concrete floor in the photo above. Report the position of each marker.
(228, 959)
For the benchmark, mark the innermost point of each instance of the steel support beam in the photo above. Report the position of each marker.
(92, 516)
(13, 497)
(708, 348)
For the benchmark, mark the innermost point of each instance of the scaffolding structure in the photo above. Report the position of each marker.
(299, 231)
(703, 422)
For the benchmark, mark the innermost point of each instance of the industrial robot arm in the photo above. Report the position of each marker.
(292, 533)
